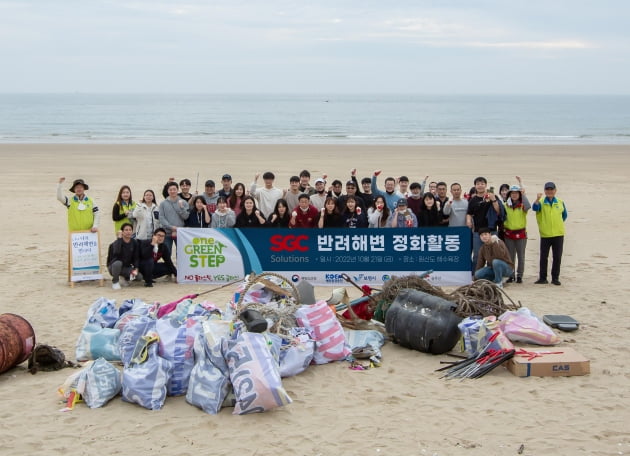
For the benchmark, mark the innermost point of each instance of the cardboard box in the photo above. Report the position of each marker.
(564, 364)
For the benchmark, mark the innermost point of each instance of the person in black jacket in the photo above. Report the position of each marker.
(280, 217)
(430, 214)
(329, 217)
(151, 252)
(250, 216)
(199, 216)
(123, 257)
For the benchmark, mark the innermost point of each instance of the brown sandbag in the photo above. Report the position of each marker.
(17, 340)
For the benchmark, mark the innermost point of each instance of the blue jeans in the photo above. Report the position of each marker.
(476, 246)
(495, 273)
(169, 241)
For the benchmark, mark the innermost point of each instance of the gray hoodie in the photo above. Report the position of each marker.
(172, 214)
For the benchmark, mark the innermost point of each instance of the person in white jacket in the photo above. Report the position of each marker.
(266, 196)
(378, 213)
(147, 216)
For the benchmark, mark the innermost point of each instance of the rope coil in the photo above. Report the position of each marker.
(482, 297)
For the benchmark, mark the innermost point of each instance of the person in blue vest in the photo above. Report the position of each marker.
(551, 214)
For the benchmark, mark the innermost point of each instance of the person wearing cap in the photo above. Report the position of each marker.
(402, 216)
(268, 195)
(210, 196)
(551, 214)
(83, 213)
(493, 262)
(226, 184)
(292, 194)
(351, 191)
(515, 227)
(318, 199)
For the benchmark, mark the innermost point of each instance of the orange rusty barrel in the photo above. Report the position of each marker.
(17, 340)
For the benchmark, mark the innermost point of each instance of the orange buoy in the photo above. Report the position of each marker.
(17, 340)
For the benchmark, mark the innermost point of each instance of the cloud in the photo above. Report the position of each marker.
(437, 33)
(566, 44)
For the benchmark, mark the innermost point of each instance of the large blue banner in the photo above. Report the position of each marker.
(320, 256)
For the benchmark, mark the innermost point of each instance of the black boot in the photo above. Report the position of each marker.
(254, 321)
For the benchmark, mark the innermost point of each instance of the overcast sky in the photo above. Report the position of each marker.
(317, 46)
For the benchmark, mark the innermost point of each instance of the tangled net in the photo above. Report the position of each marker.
(482, 297)
(281, 309)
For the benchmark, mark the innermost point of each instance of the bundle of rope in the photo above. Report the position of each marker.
(482, 297)
(281, 309)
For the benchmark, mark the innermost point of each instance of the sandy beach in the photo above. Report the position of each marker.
(402, 408)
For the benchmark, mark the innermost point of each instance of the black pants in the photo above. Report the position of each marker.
(151, 270)
(555, 244)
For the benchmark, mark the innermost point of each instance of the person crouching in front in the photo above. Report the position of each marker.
(494, 262)
(151, 252)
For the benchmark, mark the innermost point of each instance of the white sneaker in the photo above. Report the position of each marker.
(123, 281)
(115, 286)
(500, 284)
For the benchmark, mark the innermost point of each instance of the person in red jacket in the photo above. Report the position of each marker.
(305, 215)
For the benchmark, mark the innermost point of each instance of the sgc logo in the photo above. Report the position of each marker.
(288, 243)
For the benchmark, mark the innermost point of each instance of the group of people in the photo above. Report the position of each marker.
(138, 252)
(498, 221)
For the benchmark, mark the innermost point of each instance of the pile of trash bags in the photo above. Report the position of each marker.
(214, 357)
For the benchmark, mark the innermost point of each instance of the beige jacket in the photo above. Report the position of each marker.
(495, 250)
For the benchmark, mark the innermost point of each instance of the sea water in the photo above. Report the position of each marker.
(314, 119)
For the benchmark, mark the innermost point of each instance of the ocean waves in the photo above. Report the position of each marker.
(311, 119)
